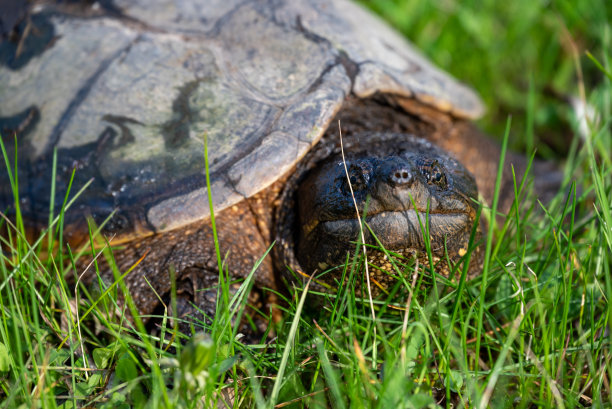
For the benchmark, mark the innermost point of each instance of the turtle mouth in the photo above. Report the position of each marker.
(401, 229)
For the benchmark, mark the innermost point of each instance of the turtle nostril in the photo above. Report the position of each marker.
(401, 177)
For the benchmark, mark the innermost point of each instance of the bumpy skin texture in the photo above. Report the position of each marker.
(402, 186)
(244, 236)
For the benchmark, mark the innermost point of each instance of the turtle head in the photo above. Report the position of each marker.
(401, 191)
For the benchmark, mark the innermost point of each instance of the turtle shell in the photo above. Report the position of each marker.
(126, 94)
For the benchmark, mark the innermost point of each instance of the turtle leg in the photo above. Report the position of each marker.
(196, 303)
(189, 255)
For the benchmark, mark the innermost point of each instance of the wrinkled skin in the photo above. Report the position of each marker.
(396, 188)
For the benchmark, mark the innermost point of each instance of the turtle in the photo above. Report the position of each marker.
(120, 96)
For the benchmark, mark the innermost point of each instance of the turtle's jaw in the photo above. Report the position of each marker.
(397, 230)
(401, 231)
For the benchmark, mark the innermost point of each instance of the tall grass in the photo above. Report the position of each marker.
(532, 331)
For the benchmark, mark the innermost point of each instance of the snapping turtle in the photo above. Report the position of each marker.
(124, 92)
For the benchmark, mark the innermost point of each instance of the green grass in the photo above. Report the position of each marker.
(532, 331)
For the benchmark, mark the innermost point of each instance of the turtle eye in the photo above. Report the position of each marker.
(434, 172)
(359, 177)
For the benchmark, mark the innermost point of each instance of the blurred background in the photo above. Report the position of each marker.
(526, 58)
